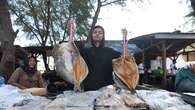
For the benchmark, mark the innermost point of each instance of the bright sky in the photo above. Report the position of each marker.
(156, 16)
(150, 17)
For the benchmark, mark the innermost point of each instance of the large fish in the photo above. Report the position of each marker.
(68, 62)
(125, 70)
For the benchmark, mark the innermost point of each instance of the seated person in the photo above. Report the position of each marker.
(185, 79)
(27, 76)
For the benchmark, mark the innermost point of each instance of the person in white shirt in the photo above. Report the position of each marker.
(173, 67)
(141, 72)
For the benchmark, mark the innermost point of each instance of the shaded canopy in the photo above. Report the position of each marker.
(174, 42)
(131, 47)
(162, 44)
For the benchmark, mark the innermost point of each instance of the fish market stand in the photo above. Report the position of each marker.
(106, 98)
(163, 45)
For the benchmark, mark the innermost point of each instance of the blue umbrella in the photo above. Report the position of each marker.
(132, 47)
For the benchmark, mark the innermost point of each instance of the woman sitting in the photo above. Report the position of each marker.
(27, 76)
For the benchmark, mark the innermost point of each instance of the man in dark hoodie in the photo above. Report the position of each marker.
(99, 61)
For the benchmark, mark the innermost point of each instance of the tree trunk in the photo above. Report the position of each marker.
(95, 18)
(45, 60)
(7, 37)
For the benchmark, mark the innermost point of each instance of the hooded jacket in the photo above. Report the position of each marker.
(99, 62)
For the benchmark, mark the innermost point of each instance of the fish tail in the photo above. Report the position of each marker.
(133, 91)
(77, 88)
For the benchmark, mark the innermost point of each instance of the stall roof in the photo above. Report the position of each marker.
(115, 44)
(173, 41)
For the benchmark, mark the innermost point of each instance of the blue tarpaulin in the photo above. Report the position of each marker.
(132, 48)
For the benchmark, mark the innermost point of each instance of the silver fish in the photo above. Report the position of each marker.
(70, 65)
(111, 100)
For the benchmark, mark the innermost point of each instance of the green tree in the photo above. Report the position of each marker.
(191, 21)
(193, 8)
(46, 20)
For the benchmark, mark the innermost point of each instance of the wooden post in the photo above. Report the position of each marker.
(143, 54)
(164, 64)
(187, 56)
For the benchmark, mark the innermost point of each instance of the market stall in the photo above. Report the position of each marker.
(11, 98)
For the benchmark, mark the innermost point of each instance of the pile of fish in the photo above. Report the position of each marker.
(13, 98)
(72, 100)
(163, 100)
(105, 98)
(68, 62)
(124, 100)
